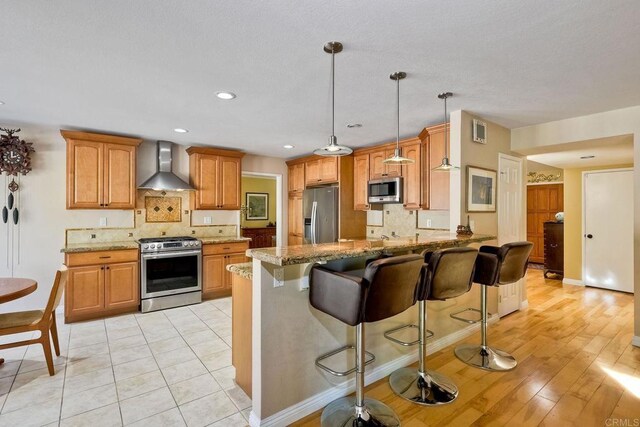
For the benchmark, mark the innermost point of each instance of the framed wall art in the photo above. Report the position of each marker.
(481, 189)
(257, 206)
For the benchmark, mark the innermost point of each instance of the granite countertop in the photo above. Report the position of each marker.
(99, 246)
(228, 239)
(301, 254)
(243, 270)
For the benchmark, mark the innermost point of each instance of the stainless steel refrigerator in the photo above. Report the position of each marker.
(320, 215)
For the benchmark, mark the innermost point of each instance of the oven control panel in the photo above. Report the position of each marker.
(170, 246)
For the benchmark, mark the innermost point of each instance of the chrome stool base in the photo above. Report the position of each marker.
(485, 357)
(429, 389)
(344, 413)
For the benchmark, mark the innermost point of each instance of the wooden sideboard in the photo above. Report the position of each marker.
(261, 237)
(553, 248)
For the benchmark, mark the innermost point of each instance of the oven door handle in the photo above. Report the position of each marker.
(171, 254)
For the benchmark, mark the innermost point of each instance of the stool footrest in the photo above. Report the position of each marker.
(388, 334)
(370, 359)
(464, 319)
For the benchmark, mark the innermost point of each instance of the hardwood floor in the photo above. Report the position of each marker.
(575, 366)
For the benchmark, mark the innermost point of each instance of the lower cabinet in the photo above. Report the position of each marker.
(216, 280)
(101, 289)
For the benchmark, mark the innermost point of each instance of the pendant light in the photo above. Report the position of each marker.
(445, 166)
(333, 149)
(397, 159)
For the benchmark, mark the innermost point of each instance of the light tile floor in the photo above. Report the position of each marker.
(167, 368)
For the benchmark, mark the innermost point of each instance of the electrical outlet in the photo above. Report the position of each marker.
(207, 220)
(278, 277)
(429, 223)
(103, 221)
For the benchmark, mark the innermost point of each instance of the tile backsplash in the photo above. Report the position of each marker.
(394, 218)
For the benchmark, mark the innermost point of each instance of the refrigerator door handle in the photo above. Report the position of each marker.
(314, 218)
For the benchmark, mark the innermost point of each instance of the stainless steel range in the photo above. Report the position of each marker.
(170, 272)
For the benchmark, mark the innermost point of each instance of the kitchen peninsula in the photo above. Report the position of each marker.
(288, 334)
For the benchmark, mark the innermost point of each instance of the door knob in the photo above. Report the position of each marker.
(589, 236)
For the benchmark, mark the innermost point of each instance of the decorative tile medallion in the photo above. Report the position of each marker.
(163, 209)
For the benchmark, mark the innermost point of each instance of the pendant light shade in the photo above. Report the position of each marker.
(397, 159)
(333, 148)
(446, 165)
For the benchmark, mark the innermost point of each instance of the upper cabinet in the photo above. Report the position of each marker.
(321, 170)
(412, 175)
(296, 178)
(435, 193)
(378, 169)
(215, 174)
(360, 182)
(101, 171)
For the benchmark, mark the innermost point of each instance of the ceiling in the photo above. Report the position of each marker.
(611, 151)
(146, 67)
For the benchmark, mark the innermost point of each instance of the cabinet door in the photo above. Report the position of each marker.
(295, 215)
(232, 259)
(119, 176)
(84, 294)
(296, 178)
(206, 181)
(312, 172)
(438, 181)
(213, 277)
(360, 178)
(121, 285)
(391, 170)
(294, 240)
(412, 176)
(85, 174)
(329, 170)
(229, 194)
(376, 167)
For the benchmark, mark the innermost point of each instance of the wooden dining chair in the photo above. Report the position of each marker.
(37, 320)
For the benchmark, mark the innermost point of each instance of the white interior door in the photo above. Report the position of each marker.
(608, 229)
(510, 220)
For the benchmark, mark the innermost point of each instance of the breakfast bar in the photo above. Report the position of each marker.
(288, 334)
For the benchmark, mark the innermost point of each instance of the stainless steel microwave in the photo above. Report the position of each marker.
(385, 190)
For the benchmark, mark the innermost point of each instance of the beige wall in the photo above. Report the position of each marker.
(625, 121)
(573, 220)
(259, 185)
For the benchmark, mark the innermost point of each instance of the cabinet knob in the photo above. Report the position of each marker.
(107, 267)
(101, 268)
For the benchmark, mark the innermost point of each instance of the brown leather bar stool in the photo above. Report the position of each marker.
(388, 287)
(449, 274)
(495, 266)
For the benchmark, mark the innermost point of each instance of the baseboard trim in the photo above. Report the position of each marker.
(524, 304)
(320, 400)
(574, 282)
(635, 341)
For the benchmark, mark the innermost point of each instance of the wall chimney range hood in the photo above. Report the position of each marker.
(164, 178)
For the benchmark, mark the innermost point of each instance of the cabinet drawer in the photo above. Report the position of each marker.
(224, 248)
(101, 257)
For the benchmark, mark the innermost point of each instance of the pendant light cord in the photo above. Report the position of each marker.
(398, 113)
(446, 131)
(333, 92)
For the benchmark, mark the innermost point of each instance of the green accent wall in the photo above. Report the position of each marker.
(258, 185)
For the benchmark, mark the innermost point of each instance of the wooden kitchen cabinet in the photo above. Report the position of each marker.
(378, 169)
(412, 175)
(101, 283)
(216, 175)
(261, 237)
(321, 170)
(101, 171)
(360, 182)
(216, 280)
(296, 178)
(295, 216)
(435, 184)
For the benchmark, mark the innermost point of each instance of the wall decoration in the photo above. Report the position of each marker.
(534, 177)
(257, 206)
(479, 131)
(163, 209)
(481, 189)
(15, 154)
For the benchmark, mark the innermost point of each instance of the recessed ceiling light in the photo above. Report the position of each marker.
(1, 103)
(180, 130)
(354, 125)
(288, 146)
(587, 157)
(225, 95)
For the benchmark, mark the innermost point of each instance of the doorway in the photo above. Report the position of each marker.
(261, 209)
(510, 223)
(608, 229)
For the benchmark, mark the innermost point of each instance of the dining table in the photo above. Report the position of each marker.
(12, 288)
